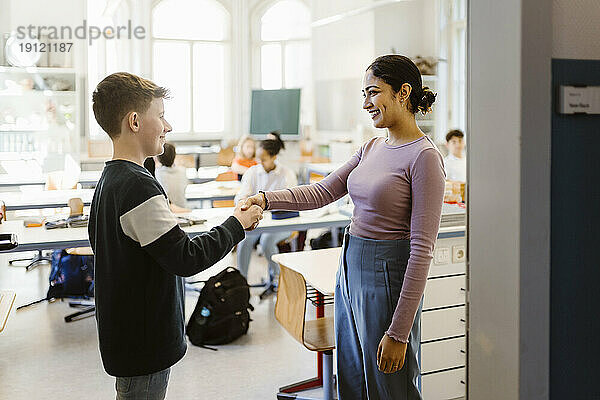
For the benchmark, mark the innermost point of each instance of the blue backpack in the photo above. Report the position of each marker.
(71, 276)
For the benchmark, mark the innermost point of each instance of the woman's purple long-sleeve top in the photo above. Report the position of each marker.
(397, 193)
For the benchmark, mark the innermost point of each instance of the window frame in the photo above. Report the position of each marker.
(257, 44)
(452, 28)
(194, 134)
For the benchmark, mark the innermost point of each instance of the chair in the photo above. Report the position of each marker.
(228, 176)
(316, 335)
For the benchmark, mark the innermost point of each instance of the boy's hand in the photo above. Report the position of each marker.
(248, 218)
(257, 199)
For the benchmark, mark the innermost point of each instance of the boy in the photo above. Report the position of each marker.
(141, 254)
(455, 162)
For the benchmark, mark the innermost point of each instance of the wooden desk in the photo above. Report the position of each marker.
(7, 298)
(317, 266)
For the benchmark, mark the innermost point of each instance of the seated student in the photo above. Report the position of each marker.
(245, 157)
(171, 177)
(269, 175)
(455, 162)
(150, 165)
(141, 254)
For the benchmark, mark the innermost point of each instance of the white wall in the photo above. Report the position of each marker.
(575, 31)
(411, 28)
(343, 49)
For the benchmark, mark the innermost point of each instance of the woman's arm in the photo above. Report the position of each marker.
(317, 195)
(427, 183)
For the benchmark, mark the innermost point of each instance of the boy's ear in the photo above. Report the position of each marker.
(133, 120)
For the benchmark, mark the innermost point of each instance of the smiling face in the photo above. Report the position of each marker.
(383, 104)
(153, 127)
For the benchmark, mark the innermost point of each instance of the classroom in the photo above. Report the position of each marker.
(299, 199)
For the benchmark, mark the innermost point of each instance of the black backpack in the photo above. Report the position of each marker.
(221, 314)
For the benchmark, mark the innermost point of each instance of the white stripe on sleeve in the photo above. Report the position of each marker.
(148, 221)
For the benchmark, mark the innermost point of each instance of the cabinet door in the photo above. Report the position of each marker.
(444, 385)
(444, 354)
(444, 292)
(441, 324)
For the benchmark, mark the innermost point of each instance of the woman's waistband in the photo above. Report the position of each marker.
(378, 248)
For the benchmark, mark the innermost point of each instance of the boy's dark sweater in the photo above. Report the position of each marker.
(141, 255)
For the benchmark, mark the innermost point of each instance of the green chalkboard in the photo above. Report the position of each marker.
(275, 110)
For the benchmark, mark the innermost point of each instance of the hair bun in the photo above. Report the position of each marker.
(427, 100)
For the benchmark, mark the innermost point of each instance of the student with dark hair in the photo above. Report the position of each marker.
(397, 186)
(150, 165)
(456, 162)
(268, 175)
(172, 177)
(141, 254)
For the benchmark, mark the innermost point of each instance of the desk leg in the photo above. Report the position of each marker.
(334, 237)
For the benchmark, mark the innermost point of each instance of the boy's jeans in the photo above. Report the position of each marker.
(145, 387)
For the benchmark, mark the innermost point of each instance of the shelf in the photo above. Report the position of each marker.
(24, 131)
(37, 70)
(40, 93)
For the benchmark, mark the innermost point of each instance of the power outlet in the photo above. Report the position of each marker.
(458, 254)
(441, 256)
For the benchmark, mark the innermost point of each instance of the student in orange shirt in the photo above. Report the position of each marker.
(245, 157)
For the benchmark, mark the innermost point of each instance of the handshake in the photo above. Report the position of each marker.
(250, 211)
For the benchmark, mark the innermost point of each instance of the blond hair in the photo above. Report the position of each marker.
(240, 145)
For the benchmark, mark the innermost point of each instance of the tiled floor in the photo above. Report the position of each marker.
(42, 357)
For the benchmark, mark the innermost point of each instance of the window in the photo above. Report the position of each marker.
(285, 56)
(453, 73)
(190, 40)
(105, 56)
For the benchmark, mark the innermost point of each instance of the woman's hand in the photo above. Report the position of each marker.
(390, 355)
(258, 200)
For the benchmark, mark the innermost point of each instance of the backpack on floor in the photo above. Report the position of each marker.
(71, 276)
(221, 314)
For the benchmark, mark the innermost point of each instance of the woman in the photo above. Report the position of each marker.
(397, 186)
(268, 175)
(245, 157)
